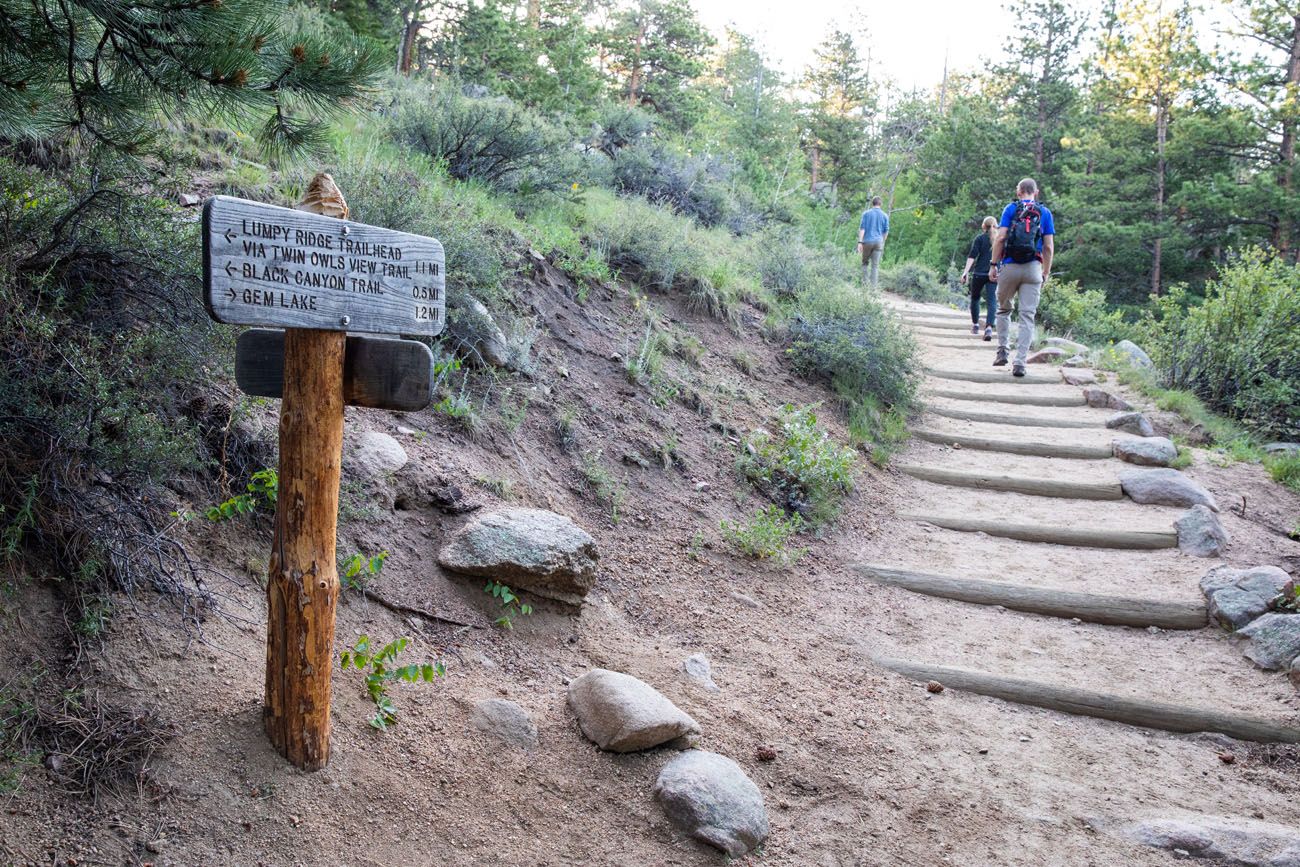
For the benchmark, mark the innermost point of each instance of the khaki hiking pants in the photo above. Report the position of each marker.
(1023, 281)
(871, 253)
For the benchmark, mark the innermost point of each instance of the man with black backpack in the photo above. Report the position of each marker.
(1022, 256)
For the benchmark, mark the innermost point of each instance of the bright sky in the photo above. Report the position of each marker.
(907, 40)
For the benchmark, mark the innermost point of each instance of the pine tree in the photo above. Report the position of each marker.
(105, 69)
(653, 51)
(840, 114)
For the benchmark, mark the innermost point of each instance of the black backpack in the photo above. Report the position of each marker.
(1025, 234)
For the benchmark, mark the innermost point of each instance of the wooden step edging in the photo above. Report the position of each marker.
(1092, 607)
(981, 345)
(1142, 712)
(946, 324)
(1021, 399)
(1013, 420)
(1006, 378)
(1128, 540)
(1013, 446)
(1038, 487)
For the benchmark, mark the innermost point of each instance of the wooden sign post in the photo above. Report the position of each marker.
(317, 275)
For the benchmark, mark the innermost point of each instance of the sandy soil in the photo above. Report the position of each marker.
(871, 769)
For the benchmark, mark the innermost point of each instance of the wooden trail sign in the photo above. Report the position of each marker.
(266, 265)
(377, 372)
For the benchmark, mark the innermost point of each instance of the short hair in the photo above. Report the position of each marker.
(875, 201)
(1027, 187)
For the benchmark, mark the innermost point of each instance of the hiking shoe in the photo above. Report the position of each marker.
(1017, 369)
(988, 333)
(975, 329)
(1001, 360)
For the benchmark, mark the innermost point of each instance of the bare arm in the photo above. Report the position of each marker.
(998, 243)
(1049, 247)
(970, 260)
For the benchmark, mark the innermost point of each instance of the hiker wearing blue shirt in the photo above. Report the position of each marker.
(872, 232)
(1022, 257)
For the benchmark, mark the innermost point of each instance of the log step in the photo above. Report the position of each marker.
(1005, 378)
(1086, 702)
(1130, 540)
(1037, 487)
(1014, 446)
(1014, 420)
(974, 345)
(947, 324)
(1092, 607)
(1021, 399)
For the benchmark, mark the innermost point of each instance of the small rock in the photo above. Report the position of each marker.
(471, 324)
(703, 487)
(616, 356)
(765, 754)
(1131, 422)
(1228, 758)
(712, 799)
(1200, 533)
(1078, 376)
(622, 714)
(1145, 451)
(1273, 640)
(1070, 346)
(1075, 361)
(529, 548)
(698, 668)
(1134, 354)
(1237, 596)
(375, 455)
(1097, 398)
(189, 200)
(637, 460)
(1118, 403)
(1165, 487)
(934, 686)
(1045, 355)
(1281, 448)
(747, 601)
(506, 721)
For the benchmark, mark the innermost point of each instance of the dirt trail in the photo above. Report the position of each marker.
(1060, 777)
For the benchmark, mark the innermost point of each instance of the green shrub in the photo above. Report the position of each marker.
(1239, 350)
(1285, 469)
(766, 535)
(915, 281)
(800, 467)
(1068, 310)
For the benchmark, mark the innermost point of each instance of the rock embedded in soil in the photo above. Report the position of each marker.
(711, 798)
(1075, 361)
(622, 714)
(697, 667)
(1046, 355)
(1273, 641)
(532, 549)
(1237, 596)
(1145, 451)
(1134, 354)
(1097, 398)
(473, 327)
(1165, 487)
(506, 721)
(1070, 346)
(1131, 422)
(1078, 376)
(375, 455)
(1230, 840)
(1200, 533)
(1282, 448)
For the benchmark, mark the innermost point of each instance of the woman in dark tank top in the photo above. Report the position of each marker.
(977, 268)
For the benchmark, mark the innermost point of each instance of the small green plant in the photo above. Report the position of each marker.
(503, 488)
(646, 363)
(511, 605)
(1183, 460)
(261, 490)
(603, 485)
(695, 548)
(745, 362)
(357, 571)
(380, 671)
(513, 412)
(566, 427)
(800, 468)
(766, 535)
(1285, 469)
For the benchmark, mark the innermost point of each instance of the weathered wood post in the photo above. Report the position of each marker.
(302, 587)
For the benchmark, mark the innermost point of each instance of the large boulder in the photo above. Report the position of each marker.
(621, 714)
(529, 548)
(1237, 596)
(1131, 422)
(1145, 451)
(1200, 533)
(1273, 640)
(1165, 487)
(1221, 840)
(1134, 355)
(712, 799)
(375, 455)
(505, 721)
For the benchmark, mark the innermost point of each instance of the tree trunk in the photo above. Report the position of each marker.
(816, 168)
(1282, 240)
(406, 55)
(1162, 133)
(302, 582)
(1042, 101)
(534, 13)
(634, 75)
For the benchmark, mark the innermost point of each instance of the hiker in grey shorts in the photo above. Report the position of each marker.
(1022, 256)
